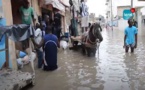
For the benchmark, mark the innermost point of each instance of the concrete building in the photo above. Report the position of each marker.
(108, 10)
(9, 16)
(121, 22)
(120, 10)
(137, 16)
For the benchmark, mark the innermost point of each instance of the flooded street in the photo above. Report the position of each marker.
(111, 69)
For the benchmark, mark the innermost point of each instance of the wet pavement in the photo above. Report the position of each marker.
(111, 69)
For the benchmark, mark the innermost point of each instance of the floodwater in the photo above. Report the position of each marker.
(111, 69)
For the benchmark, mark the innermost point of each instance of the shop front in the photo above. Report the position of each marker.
(59, 6)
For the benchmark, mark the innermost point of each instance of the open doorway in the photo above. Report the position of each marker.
(46, 12)
(16, 4)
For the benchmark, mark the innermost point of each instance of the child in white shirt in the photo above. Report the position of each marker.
(38, 38)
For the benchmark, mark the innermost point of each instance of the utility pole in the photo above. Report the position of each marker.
(131, 3)
(111, 16)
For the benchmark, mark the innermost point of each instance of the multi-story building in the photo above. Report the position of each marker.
(108, 10)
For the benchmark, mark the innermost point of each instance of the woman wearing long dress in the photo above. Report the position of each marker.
(50, 44)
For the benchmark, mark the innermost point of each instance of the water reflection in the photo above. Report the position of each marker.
(113, 70)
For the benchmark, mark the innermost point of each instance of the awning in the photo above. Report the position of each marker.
(56, 4)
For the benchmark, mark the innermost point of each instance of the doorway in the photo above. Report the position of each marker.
(16, 4)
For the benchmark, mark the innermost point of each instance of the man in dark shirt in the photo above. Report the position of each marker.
(57, 24)
(57, 19)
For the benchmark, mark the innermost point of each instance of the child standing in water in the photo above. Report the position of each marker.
(130, 38)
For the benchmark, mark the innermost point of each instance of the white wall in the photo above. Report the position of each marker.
(143, 11)
(121, 9)
(122, 24)
(139, 20)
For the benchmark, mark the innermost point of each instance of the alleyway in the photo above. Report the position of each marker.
(112, 70)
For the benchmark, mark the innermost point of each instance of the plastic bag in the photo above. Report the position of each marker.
(63, 44)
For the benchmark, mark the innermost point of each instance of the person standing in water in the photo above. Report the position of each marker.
(57, 23)
(27, 13)
(130, 38)
(85, 16)
(50, 44)
(27, 16)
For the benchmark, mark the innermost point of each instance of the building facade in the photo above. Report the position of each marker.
(108, 10)
(120, 10)
(9, 16)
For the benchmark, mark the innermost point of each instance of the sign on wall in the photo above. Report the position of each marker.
(127, 14)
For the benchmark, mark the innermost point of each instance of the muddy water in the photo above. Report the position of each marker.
(111, 69)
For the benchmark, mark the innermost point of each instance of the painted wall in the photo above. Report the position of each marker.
(7, 20)
(2, 42)
(3, 23)
(7, 11)
(36, 7)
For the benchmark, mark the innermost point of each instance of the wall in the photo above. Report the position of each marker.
(7, 11)
(36, 7)
(122, 24)
(143, 10)
(2, 42)
(120, 10)
(139, 20)
(7, 20)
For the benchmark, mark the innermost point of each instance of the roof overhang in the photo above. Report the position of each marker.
(56, 4)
